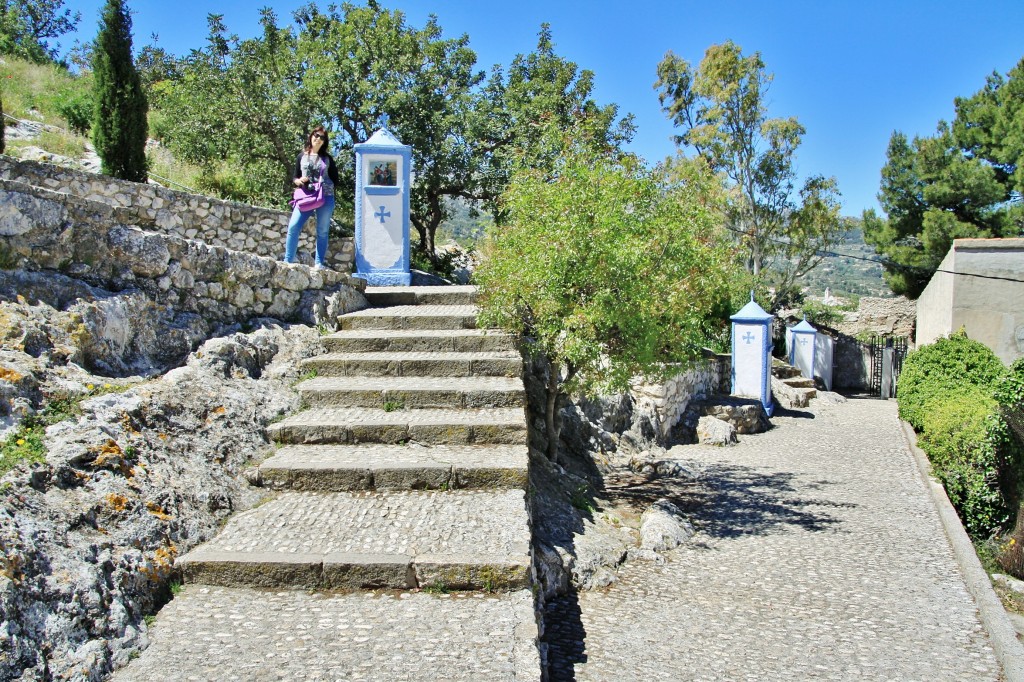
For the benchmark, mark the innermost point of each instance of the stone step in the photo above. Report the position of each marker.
(412, 392)
(385, 467)
(408, 340)
(443, 295)
(412, 317)
(784, 370)
(221, 633)
(457, 539)
(791, 397)
(799, 382)
(416, 364)
(429, 426)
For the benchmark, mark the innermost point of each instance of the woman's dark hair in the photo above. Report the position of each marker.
(309, 140)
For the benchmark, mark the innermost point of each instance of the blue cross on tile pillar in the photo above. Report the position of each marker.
(752, 354)
(383, 173)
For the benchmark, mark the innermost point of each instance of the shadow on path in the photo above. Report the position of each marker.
(565, 636)
(745, 501)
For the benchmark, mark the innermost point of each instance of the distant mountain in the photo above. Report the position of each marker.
(466, 226)
(855, 272)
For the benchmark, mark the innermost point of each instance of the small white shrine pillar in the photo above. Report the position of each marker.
(752, 354)
(801, 350)
(383, 172)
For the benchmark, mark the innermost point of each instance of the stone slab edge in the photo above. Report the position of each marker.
(1008, 648)
(350, 571)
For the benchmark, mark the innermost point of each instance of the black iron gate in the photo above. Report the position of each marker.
(886, 363)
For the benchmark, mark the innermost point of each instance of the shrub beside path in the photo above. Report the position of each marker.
(820, 555)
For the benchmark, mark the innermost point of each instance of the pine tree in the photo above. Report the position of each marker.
(119, 120)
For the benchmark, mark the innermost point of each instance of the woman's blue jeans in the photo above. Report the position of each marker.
(323, 227)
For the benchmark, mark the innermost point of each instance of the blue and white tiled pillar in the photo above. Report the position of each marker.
(383, 174)
(752, 354)
(802, 348)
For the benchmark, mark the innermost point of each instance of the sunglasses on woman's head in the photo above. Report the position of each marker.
(318, 135)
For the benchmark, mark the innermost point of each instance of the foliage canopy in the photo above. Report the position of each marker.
(947, 366)
(606, 270)
(353, 68)
(950, 391)
(721, 109)
(26, 27)
(965, 181)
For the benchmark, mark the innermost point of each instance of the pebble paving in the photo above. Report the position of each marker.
(369, 455)
(820, 555)
(227, 634)
(393, 522)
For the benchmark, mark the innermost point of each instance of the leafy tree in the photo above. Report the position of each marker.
(367, 65)
(721, 110)
(520, 119)
(965, 181)
(239, 102)
(605, 270)
(27, 25)
(156, 65)
(351, 68)
(119, 122)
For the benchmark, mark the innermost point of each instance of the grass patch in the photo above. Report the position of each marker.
(69, 145)
(311, 374)
(582, 499)
(32, 91)
(393, 405)
(27, 443)
(437, 588)
(167, 170)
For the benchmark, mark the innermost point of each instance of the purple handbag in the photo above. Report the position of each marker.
(311, 197)
(307, 199)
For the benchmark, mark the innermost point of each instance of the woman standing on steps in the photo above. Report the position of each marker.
(315, 165)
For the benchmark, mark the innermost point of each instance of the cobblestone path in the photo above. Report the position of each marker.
(820, 555)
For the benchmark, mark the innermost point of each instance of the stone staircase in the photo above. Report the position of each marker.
(400, 510)
(791, 389)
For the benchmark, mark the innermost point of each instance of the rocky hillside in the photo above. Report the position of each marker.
(132, 472)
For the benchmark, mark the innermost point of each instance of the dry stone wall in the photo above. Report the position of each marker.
(98, 244)
(239, 227)
(664, 403)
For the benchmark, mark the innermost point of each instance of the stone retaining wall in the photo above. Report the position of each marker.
(664, 403)
(240, 227)
(98, 243)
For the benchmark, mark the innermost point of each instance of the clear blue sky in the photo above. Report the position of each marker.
(851, 71)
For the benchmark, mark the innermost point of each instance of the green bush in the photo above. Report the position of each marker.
(819, 314)
(75, 106)
(948, 366)
(1009, 436)
(958, 437)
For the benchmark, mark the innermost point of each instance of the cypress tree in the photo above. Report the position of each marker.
(119, 119)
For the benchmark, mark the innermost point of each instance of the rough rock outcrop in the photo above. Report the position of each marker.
(145, 472)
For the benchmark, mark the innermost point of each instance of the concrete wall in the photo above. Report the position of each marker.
(935, 305)
(990, 307)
